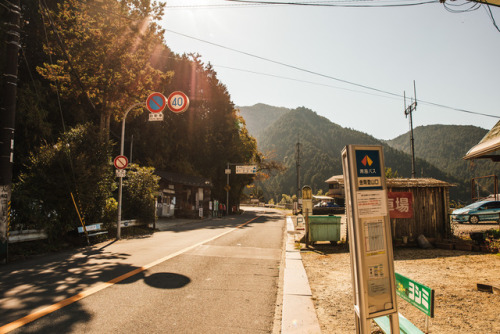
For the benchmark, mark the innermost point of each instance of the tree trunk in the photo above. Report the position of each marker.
(104, 125)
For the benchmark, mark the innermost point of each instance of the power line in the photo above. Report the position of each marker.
(328, 76)
(299, 68)
(338, 4)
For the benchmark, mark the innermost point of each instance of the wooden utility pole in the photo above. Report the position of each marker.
(8, 96)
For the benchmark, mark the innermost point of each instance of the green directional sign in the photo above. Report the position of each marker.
(419, 295)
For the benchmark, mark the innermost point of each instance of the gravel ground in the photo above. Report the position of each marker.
(453, 274)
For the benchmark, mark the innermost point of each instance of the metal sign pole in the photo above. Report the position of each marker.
(120, 186)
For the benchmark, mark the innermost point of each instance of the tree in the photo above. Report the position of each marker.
(76, 166)
(103, 51)
(140, 190)
(202, 140)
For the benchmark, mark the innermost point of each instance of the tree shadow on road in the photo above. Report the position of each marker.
(33, 284)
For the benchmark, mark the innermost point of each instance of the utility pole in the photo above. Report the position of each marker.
(297, 163)
(7, 118)
(408, 111)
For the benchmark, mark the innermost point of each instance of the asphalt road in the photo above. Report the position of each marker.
(206, 277)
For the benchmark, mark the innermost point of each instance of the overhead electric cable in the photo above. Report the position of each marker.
(282, 64)
(305, 70)
(320, 4)
(323, 75)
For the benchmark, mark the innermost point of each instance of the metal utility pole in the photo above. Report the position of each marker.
(408, 111)
(7, 118)
(297, 163)
(228, 171)
(120, 185)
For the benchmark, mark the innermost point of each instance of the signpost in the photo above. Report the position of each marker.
(178, 102)
(120, 162)
(156, 102)
(247, 169)
(370, 240)
(419, 295)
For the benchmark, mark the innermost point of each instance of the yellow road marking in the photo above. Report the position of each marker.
(59, 305)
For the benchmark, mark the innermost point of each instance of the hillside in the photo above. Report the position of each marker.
(258, 117)
(321, 144)
(444, 146)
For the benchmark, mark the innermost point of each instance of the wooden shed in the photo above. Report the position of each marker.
(429, 207)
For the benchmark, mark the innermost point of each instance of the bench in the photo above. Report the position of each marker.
(405, 326)
(418, 295)
(92, 230)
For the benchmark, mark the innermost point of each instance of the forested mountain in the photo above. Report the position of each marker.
(444, 146)
(258, 117)
(321, 144)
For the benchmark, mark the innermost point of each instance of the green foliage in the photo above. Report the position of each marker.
(203, 139)
(139, 193)
(77, 164)
(389, 174)
(106, 60)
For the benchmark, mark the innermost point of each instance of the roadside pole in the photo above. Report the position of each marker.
(120, 186)
(228, 171)
(7, 119)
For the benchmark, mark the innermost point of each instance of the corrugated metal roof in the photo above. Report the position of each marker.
(417, 183)
(490, 143)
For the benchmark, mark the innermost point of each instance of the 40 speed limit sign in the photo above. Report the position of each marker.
(178, 102)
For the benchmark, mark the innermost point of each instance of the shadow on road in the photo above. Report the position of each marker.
(37, 283)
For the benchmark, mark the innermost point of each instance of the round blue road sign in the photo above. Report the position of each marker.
(156, 102)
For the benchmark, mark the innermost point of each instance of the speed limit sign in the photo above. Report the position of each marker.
(178, 102)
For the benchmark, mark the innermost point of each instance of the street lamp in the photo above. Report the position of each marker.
(120, 186)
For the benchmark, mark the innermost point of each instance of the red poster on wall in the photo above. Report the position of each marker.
(400, 205)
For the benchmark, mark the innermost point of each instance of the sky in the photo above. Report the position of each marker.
(350, 65)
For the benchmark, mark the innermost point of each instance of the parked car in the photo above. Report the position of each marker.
(478, 211)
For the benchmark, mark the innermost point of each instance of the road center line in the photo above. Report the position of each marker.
(59, 305)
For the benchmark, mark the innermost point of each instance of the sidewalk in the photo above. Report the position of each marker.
(299, 314)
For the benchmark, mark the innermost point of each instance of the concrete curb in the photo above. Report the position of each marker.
(299, 315)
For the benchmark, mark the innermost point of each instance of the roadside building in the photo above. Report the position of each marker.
(487, 148)
(416, 206)
(336, 189)
(183, 195)
(419, 206)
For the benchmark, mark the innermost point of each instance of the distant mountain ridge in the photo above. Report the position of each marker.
(321, 145)
(444, 146)
(258, 117)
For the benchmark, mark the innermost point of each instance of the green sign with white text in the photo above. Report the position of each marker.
(419, 295)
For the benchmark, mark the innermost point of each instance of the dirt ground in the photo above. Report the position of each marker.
(453, 274)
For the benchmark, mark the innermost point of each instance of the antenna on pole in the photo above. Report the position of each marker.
(408, 111)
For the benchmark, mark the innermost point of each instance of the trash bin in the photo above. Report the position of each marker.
(324, 228)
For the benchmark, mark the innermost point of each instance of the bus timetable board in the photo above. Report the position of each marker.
(370, 241)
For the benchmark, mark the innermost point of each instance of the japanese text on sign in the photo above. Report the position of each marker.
(400, 204)
(416, 294)
(372, 203)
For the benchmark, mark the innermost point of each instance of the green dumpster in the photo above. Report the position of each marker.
(324, 228)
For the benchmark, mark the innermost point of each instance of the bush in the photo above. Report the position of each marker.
(78, 165)
(140, 189)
